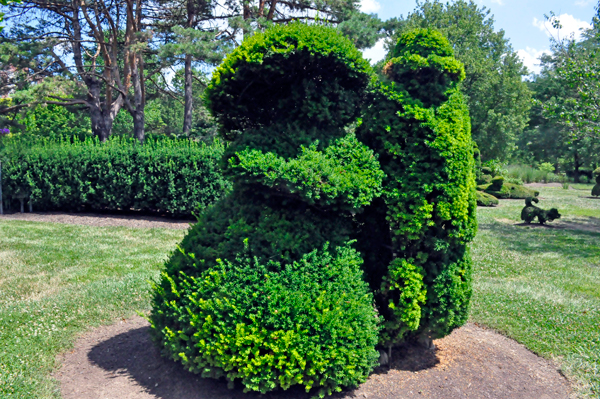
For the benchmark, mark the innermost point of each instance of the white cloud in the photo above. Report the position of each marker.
(375, 53)
(369, 6)
(530, 57)
(499, 2)
(583, 3)
(570, 26)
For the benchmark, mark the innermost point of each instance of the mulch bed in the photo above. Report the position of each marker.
(120, 361)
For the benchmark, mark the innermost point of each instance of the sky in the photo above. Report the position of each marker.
(523, 22)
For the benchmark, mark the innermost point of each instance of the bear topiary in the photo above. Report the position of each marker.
(596, 188)
(414, 238)
(265, 289)
(530, 212)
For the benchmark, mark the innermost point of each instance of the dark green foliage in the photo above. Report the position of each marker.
(596, 188)
(485, 199)
(484, 179)
(414, 239)
(302, 83)
(497, 183)
(272, 325)
(530, 212)
(254, 294)
(174, 176)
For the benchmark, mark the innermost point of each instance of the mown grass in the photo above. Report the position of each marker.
(57, 281)
(541, 286)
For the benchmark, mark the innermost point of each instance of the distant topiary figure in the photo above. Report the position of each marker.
(265, 288)
(596, 188)
(530, 212)
(485, 199)
(414, 238)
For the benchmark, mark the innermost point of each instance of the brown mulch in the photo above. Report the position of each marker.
(101, 220)
(120, 361)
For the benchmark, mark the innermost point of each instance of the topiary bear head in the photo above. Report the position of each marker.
(423, 64)
(287, 87)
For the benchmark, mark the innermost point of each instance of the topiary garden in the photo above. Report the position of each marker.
(347, 226)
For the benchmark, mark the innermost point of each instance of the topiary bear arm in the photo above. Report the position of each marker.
(346, 173)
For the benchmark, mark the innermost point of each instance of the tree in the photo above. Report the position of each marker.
(576, 66)
(498, 99)
(107, 43)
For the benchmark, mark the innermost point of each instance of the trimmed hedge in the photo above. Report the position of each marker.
(163, 175)
(415, 237)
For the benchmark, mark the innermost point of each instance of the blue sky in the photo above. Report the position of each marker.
(522, 20)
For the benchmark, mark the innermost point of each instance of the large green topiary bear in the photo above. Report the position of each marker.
(265, 288)
(414, 238)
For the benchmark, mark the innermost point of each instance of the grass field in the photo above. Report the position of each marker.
(540, 286)
(58, 280)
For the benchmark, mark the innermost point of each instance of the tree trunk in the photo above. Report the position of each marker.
(577, 165)
(138, 99)
(188, 95)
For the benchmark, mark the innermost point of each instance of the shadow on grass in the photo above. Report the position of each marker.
(579, 238)
(134, 355)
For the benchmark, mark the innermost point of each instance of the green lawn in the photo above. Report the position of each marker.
(540, 286)
(57, 281)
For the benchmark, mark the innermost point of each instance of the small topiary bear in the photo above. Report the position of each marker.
(596, 188)
(530, 212)
(414, 238)
(265, 289)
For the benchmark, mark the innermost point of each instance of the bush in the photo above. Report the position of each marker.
(497, 183)
(254, 294)
(584, 179)
(270, 325)
(174, 176)
(509, 191)
(485, 199)
(546, 167)
(415, 237)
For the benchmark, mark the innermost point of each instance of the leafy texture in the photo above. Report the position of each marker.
(415, 237)
(485, 199)
(175, 176)
(265, 288)
(596, 188)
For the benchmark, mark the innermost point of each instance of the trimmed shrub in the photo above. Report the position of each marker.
(175, 176)
(509, 191)
(497, 183)
(272, 325)
(254, 294)
(485, 199)
(414, 239)
(596, 188)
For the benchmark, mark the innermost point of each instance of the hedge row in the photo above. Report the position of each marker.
(163, 175)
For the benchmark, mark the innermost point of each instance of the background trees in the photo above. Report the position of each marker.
(498, 99)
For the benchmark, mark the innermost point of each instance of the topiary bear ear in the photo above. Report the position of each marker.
(423, 64)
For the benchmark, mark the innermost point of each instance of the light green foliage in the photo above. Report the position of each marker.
(546, 167)
(273, 325)
(485, 199)
(427, 213)
(55, 121)
(497, 97)
(507, 190)
(265, 289)
(175, 176)
(345, 174)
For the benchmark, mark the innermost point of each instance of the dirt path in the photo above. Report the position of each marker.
(119, 361)
(101, 220)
